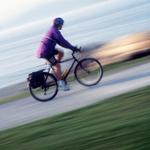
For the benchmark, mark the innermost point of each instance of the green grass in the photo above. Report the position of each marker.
(119, 123)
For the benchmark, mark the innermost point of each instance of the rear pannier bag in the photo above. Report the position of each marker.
(36, 79)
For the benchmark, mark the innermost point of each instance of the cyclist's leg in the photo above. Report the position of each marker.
(61, 83)
(58, 55)
(54, 60)
(57, 71)
(56, 68)
(54, 57)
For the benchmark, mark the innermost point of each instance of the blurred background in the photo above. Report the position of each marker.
(117, 32)
(111, 30)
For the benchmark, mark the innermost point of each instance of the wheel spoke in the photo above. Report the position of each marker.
(88, 72)
(47, 91)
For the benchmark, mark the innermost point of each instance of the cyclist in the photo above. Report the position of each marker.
(48, 51)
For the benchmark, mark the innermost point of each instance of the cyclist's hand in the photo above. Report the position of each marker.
(76, 49)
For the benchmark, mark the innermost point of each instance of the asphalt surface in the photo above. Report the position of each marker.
(28, 110)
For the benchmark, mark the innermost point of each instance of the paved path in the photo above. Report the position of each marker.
(27, 110)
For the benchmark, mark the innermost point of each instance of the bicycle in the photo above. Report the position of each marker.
(88, 72)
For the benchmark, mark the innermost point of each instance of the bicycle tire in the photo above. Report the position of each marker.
(49, 82)
(81, 70)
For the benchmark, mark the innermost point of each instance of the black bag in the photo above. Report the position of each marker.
(36, 79)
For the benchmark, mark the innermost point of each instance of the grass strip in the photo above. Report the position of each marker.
(119, 123)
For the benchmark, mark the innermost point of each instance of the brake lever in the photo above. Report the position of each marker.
(80, 48)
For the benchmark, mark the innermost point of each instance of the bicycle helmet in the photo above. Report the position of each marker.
(58, 22)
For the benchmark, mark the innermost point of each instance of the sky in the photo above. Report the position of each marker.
(15, 13)
(10, 8)
(23, 23)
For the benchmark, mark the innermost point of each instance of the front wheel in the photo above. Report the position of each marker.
(47, 90)
(88, 71)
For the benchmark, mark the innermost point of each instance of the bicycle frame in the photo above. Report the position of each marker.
(82, 65)
(68, 72)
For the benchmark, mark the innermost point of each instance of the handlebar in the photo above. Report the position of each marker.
(79, 50)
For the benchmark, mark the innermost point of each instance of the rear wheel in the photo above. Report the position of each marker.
(47, 90)
(88, 71)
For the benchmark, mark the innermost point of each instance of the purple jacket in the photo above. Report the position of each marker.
(48, 43)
